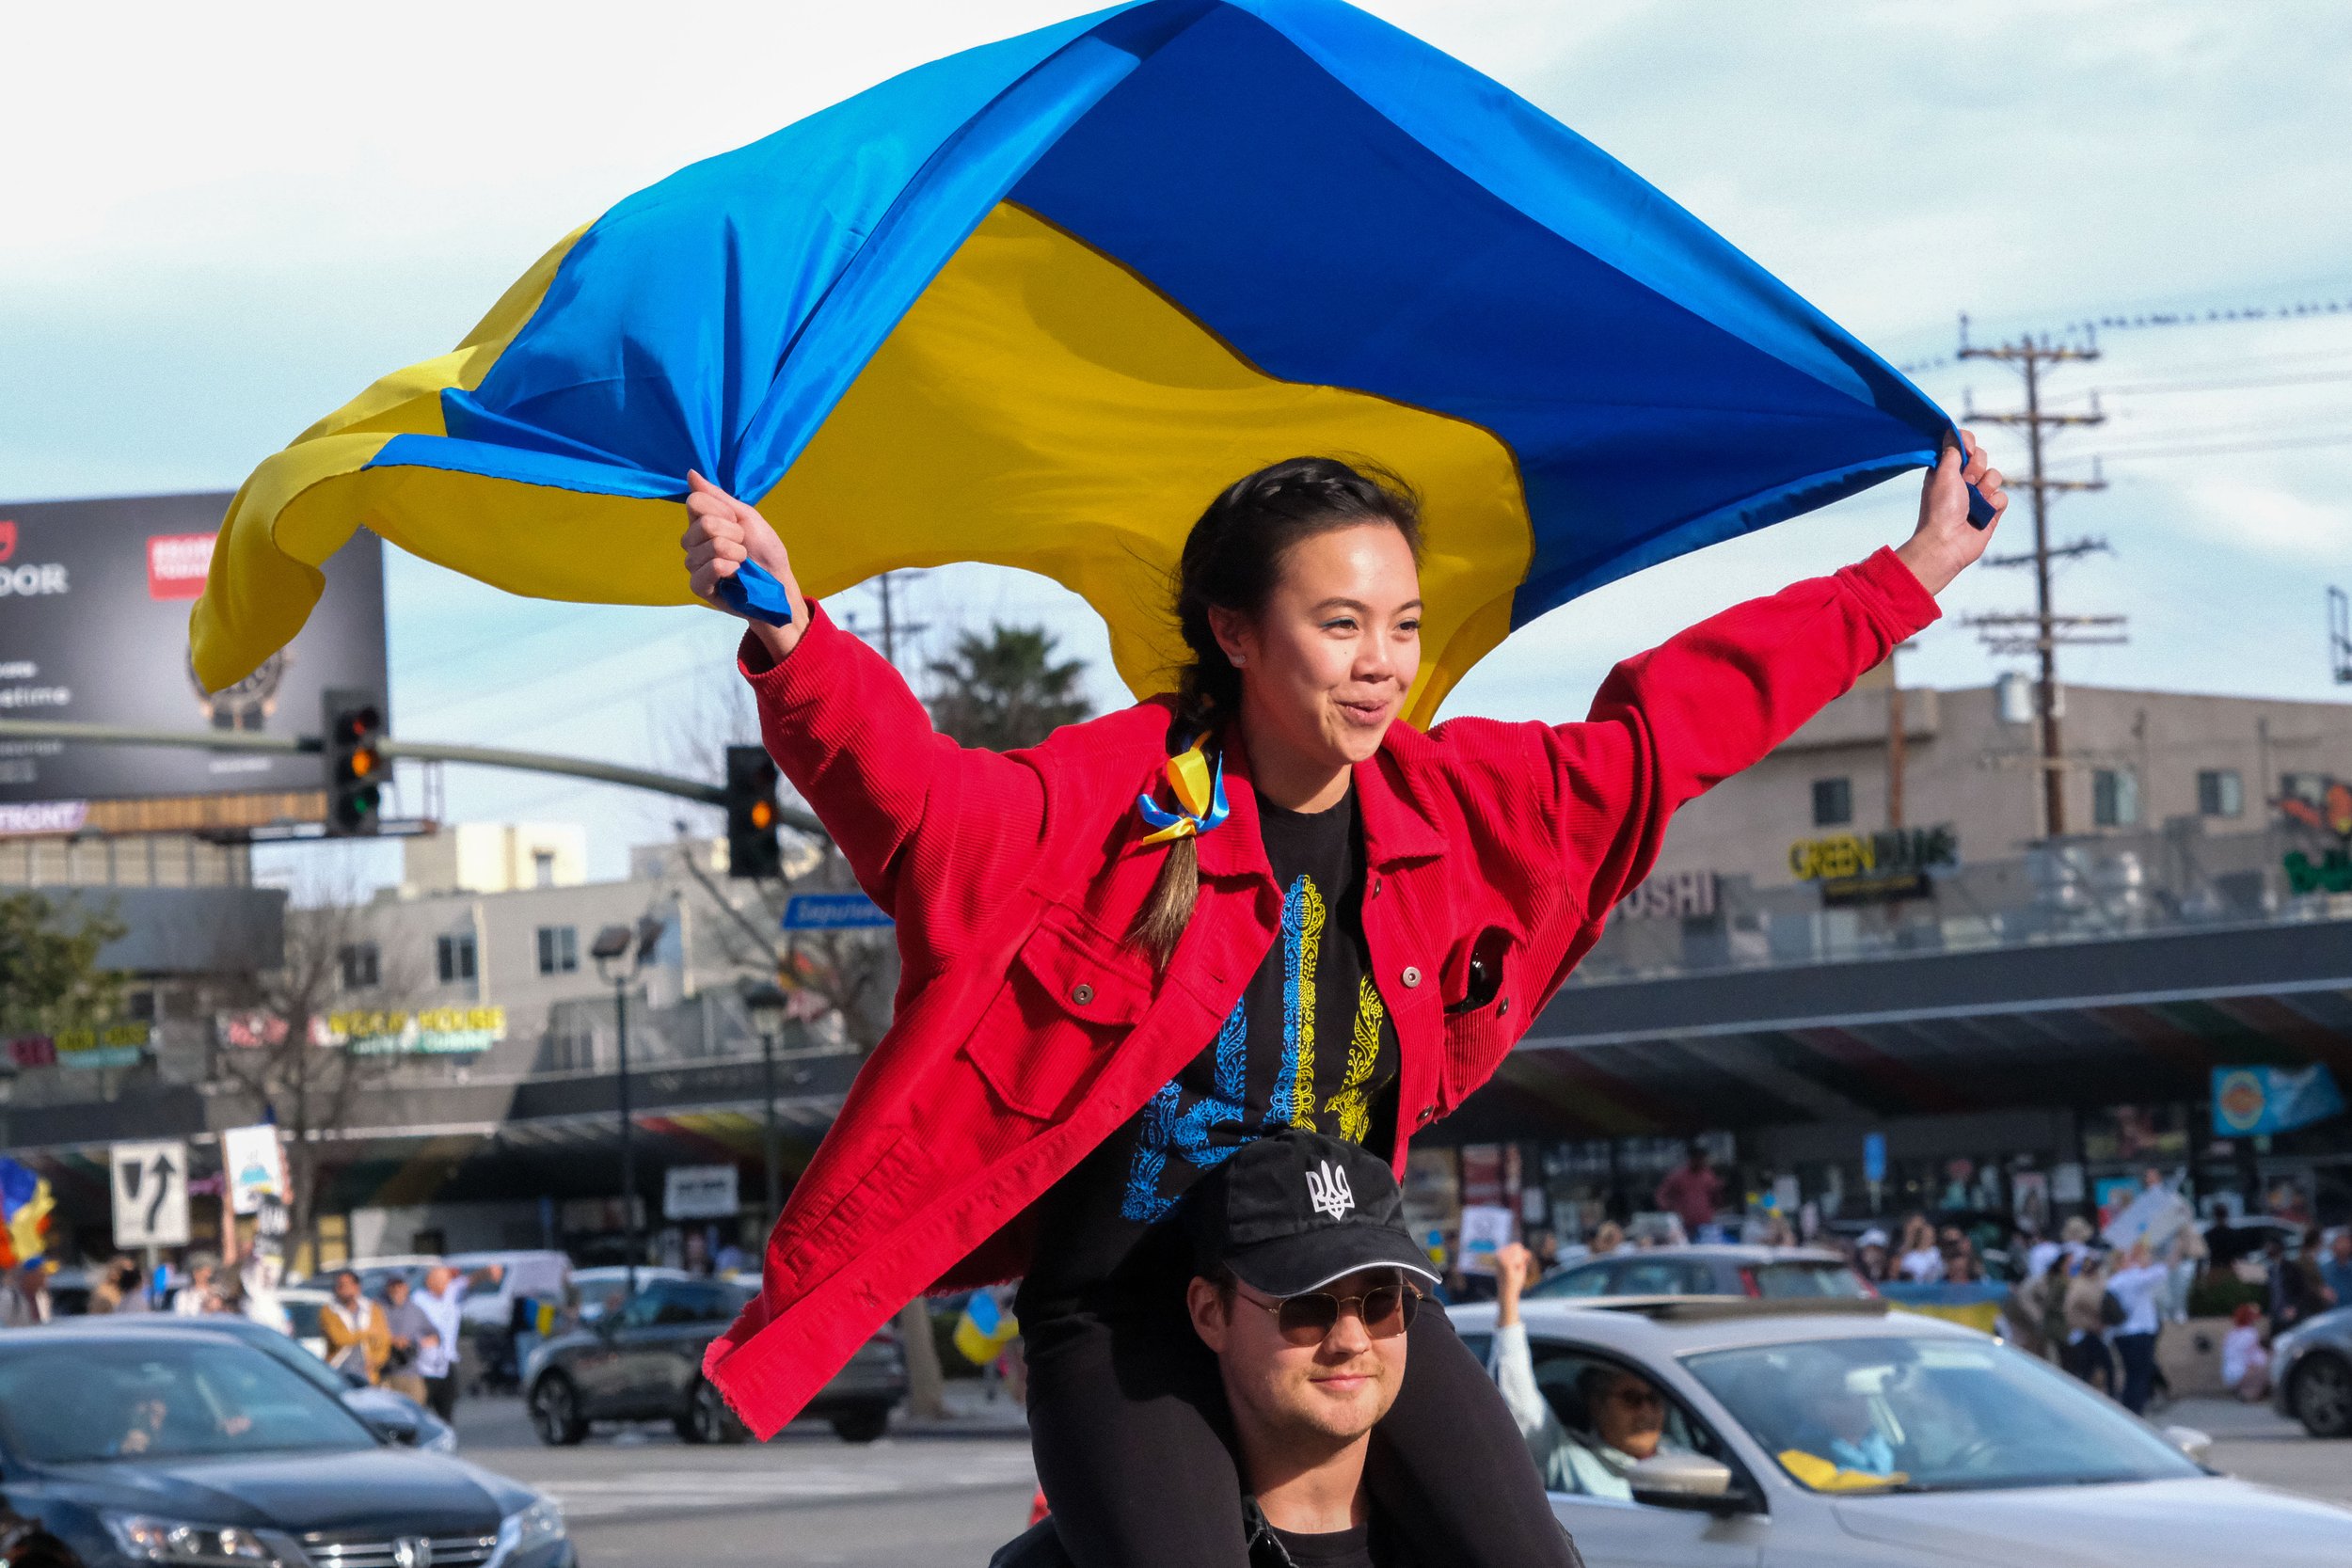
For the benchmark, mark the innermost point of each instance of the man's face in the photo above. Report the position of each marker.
(436, 1279)
(2342, 1246)
(395, 1291)
(347, 1288)
(1629, 1414)
(1330, 1392)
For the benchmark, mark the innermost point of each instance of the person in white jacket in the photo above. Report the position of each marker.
(1628, 1412)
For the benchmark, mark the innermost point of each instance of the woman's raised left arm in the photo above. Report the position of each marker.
(1671, 724)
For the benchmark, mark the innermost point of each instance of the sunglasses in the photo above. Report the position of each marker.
(1387, 1310)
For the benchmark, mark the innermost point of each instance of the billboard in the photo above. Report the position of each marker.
(94, 601)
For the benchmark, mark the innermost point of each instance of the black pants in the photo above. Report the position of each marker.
(2138, 1354)
(440, 1394)
(1133, 1444)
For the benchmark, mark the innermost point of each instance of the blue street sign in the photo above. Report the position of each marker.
(832, 911)
(1874, 1156)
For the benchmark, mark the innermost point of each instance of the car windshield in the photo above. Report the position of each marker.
(1929, 1415)
(1800, 1277)
(161, 1398)
(485, 1280)
(302, 1313)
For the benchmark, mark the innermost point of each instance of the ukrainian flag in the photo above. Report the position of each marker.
(1035, 304)
(24, 1206)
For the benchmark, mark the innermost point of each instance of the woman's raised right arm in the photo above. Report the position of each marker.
(934, 832)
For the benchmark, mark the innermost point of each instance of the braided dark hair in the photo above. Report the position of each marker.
(1232, 561)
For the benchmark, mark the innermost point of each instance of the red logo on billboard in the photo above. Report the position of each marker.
(8, 539)
(177, 564)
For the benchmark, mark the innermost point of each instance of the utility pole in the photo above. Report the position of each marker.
(2032, 357)
(2340, 635)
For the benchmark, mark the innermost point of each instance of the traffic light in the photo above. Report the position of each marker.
(751, 847)
(355, 766)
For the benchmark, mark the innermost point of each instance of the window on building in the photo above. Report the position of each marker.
(2309, 788)
(543, 868)
(1833, 803)
(363, 966)
(2220, 793)
(559, 949)
(453, 958)
(2114, 796)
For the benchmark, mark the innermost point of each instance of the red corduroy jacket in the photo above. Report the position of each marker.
(1027, 1029)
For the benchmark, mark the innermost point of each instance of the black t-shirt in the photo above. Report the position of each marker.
(1309, 1045)
(1339, 1548)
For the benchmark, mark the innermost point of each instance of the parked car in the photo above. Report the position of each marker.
(2311, 1369)
(303, 1303)
(597, 1288)
(159, 1442)
(1706, 1270)
(1835, 1434)
(394, 1415)
(644, 1363)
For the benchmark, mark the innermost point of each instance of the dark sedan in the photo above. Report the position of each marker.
(1707, 1271)
(394, 1415)
(173, 1445)
(644, 1363)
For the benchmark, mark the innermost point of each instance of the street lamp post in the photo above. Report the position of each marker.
(620, 953)
(765, 1003)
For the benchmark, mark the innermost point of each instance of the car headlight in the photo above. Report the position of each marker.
(146, 1539)
(541, 1524)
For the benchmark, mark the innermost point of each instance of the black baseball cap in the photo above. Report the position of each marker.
(1292, 1211)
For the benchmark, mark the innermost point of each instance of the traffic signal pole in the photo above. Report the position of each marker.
(414, 750)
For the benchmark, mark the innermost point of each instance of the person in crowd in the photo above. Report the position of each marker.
(359, 1333)
(442, 1302)
(24, 1297)
(2030, 1306)
(2076, 1236)
(2292, 1285)
(1304, 1312)
(1609, 1240)
(1627, 1411)
(407, 1329)
(1872, 1259)
(1137, 847)
(1961, 1266)
(2139, 1284)
(1921, 1260)
(194, 1297)
(2244, 1359)
(2335, 1268)
(1692, 1193)
(105, 1291)
(2086, 1354)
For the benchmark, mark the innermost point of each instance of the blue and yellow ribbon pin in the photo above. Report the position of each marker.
(1199, 788)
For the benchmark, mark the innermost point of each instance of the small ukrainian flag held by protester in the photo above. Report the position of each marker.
(24, 1205)
(984, 1329)
(1036, 303)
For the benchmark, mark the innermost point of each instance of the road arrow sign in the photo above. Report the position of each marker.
(150, 1191)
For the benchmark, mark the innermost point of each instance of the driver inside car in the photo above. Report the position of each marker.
(1627, 1412)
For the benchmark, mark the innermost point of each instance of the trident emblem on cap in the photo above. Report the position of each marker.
(1328, 1191)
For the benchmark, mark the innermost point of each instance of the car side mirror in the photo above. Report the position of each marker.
(2190, 1441)
(1688, 1480)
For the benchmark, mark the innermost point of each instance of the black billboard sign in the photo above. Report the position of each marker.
(94, 601)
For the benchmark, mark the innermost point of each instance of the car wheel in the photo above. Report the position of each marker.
(862, 1425)
(2321, 1396)
(707, 1419)
(555, 1412)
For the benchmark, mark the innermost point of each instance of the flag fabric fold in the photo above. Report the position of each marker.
(1036, 303)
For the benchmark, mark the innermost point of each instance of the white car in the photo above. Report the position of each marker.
(1813, 1434)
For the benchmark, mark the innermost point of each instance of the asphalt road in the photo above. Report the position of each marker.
(641, 1498)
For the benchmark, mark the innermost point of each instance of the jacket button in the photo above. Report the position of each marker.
(1082, 993)
(1428, 1115)
(1503, 1012)
(1412, 976)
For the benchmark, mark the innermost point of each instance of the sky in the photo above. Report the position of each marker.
(222, 222)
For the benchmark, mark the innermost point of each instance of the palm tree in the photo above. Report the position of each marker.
(1004, 690)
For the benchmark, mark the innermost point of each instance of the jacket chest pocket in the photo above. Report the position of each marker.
(1485, 1010)
(1068, 1001)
